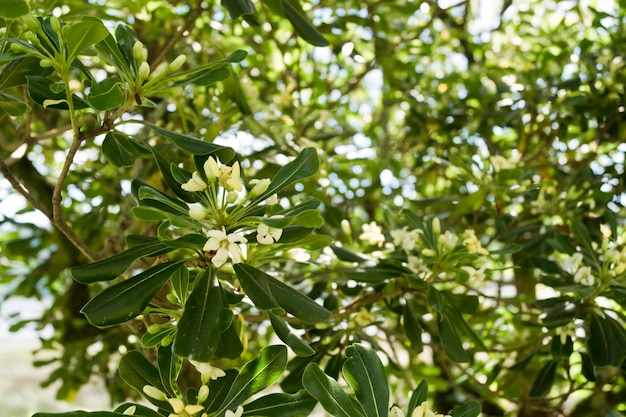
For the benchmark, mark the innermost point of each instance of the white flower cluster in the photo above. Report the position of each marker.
(180, 409)
(217, 178)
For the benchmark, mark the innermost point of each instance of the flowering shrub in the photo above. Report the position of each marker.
(459, 247)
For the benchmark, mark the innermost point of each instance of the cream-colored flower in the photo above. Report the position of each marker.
(406, 239)
(448, 240)
(395, 412)
(372, 233)
(424, 411)
(207, 371)
(229, 177)
(236, 413)
(182, 410)
(584, 276)
(225, 246)
(267, 235)
(417, 265)
(472, 243)
(195, 183)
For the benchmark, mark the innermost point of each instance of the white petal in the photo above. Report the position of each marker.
(220, 257)
(211, 244)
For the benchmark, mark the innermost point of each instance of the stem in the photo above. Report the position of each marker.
(193, 15)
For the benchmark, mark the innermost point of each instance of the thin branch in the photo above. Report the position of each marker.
(19, 187)
(193, 15)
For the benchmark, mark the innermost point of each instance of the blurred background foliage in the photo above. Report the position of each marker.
(506, 117)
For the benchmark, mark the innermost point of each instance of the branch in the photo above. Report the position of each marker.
(19, 187)
(193, 15)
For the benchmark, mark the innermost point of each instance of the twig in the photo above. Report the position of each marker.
(19, 187)
(193, 15)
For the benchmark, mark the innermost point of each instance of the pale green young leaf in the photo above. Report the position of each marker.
(82, 35)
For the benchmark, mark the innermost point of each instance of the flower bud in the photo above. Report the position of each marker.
(154, 328)
(231, 197)
(31, 22)
(345, 227)
(196, 212)
(144, 71)
(159, 71)
(16, 47)
(203, 394)
(436, 226)
(45, 63)
(130, 411)
(139, 52)
(55, 23)
(154, 392)
(260, 186)
(177, 63)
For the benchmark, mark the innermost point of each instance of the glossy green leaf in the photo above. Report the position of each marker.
(297, 303)
(40, 90)
(180, 284)
(12, 9)
(469, 409)
(80, 413)
(242, 8)
(110, 268)
(169, 366)
(193, 145)
(11, 106)
(302, 25)
(305, 165)
(127, 299)
(218, 389)
(281, 405)
(254, 283)
(82, 35)
(230, 346)
(451, 340)
(420, 394)
(199, 327)
(299, 346)
(106, 94)
(365, 373)
(119, 150)
(543, 380)
(588, 369)
(210, 73)
(255, 376)
(138, 372)
(329, 393)
(579, 230)
(412, 326)
(607, 341)
(15, 73)
(174, 206)
(165, 166)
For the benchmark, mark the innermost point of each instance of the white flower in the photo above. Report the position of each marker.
(182, 410)
(272, 200)
(477, 276)
(259, 187)
(196, 212)
(372, 233)
(395, 412)
(405, 239)
(568, 330)
(207, 371)
(416, 265)
(424, 411)
(229, 177)
(584, 276)
(237, 413)
(224, 245)
(195, 183)
(572, 263)
(267, 235)
(448, 240)
(472, 243)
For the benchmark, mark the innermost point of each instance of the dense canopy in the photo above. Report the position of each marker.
(284, 207)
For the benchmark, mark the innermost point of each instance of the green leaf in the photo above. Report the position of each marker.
(211, 72)
(299, 346)
(165, 166)
(149, 340)
(297, 303)
(544, 380)
(199, 327)
(12, 9)
(281, 405)
(451, 340)
(126, 300)
(180, 283)
(174, 206)
(107, 94)
(579, 230)
(607, 341)
(329, 393)
(469, 409)
(305, 165)
(193, 145)
(169, 366)
(40, 90)
(418, 397)
(255, 376)
(412, 326)
(11, 105)
(119, 150)
(218, 389)
(242, 8)
(110, 268)
(80, 413)
(140, 410)
(138, 372)
(254, 283)
(364, 372)
(302, 25)
(83, 34)
(230, 346)
(16, 72)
